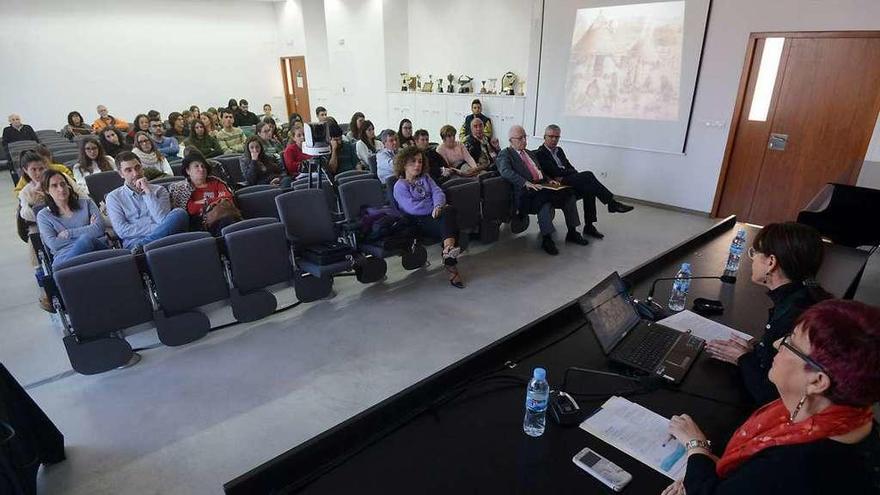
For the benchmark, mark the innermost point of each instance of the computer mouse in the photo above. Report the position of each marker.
(706, 307)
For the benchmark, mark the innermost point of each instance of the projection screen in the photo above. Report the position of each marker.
(620, 73)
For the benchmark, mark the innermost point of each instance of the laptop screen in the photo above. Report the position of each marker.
(609, 311)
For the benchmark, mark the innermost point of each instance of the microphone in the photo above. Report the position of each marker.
(651, 309)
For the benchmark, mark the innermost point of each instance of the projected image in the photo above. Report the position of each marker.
(626, 62)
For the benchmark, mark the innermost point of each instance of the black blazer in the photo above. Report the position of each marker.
(548, 164)
(512, 168)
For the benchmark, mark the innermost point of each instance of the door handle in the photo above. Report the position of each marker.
(777, 142)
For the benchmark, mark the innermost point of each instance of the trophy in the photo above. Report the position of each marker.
(483, 88)
(521, 89)
(508, 83)
(440, 85)
(492, 83)
(464, 84)
(428, 86)
(412, 83)
(450, 88)
(404, 77)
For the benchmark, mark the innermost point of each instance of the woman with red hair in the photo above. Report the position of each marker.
(819, 436)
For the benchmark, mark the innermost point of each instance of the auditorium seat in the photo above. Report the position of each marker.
(167, 180)
(372, 164)
(359, 176)
(258, 201)
(47, 133)
(102, 183)
(16, 149)
(231, 164)
(102, 293)
(186, 273)
(65, 155)
(258, 258)
(497, 208)
(464, 194)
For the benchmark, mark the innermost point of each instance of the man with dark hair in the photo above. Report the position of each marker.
(433, 160)
(230, 138)
(385, 156)
(342, 155)
(139, 211)
(321, 113)
(244, 116)
(555, 165)
(166, 145)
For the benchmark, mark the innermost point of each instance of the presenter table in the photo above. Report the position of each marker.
(460, 430)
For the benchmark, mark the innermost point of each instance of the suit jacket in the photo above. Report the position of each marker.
(512, 168)
(548, 164)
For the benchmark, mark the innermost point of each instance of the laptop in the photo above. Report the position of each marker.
(635, 343)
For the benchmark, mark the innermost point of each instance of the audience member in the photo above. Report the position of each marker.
(405, 133)
(256, 166)
(141, 123)
(483, 150)
(321, 113)
(169, 147)
(113, 141)
(271, 145)
(152, 160)
(293, 153)
(154, 114)
(343, 156)
(244, 116)
(177, 127)
(435, 163)
(519, 167)
(141, 212)
(819, 436)
(70, 225)
(231, 138)
(187, 117)
(555, 165)
(31, 195)
(92, 160)
(105, 119)
(476, 112)
(195, 112)
(458, 160)
(215, 120)
(367, 145)
(424, 204)
(785, 258)
(267, 112)
(354, 127)
(75, 126)
(295, 118)
(202, 140)
(206, 121)
(48, 160)
(199, 190)
(385, 156)
(16, 131)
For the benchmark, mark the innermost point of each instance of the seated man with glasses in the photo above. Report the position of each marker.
(819, 435)
(554, 163)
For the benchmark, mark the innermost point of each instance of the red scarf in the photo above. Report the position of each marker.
(769, 427)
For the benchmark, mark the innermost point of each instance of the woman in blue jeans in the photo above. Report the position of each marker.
(424, 204)
(69, 225)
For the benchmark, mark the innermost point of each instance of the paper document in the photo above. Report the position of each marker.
(640, 433)
(702, 327)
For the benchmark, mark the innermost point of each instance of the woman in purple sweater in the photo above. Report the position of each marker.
(424, 204)
(69, 225)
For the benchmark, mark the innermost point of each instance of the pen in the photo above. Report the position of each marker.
(666, 442)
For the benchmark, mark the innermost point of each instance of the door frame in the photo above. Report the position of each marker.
(291, 88)
(743, 86)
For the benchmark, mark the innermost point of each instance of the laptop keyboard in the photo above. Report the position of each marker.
(649, 351)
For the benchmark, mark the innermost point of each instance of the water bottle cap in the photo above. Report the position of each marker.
(539, 374)
(686, 267)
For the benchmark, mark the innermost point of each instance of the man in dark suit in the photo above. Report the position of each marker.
(519, 167)
(555, 165)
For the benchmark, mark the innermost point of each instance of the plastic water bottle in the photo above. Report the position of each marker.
(536, 403)
(737, 247)
(680, 288)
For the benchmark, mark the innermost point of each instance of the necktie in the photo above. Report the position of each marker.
(536, 174)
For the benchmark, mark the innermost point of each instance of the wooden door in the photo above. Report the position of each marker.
(816, 126)
(296, 86)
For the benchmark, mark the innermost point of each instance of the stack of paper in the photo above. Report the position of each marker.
(699, 326)
(640, 433)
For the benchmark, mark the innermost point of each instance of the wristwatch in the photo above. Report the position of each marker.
(698, 444)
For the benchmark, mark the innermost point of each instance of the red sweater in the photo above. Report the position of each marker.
(201, 196)
(293, 158)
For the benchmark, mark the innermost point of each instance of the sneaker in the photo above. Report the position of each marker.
(591, 231)
(46, 304)
(575, 237)
(617, 207)
(549, 246)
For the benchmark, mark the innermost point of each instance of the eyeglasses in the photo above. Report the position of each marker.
(786, 342)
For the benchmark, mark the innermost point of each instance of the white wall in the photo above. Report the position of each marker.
(482, 39)
(75, 55)
(689, 180)
(870, 174)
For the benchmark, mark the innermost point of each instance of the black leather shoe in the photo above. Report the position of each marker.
(590, 230)
(617, 207)
(549, 246)
(575, 237)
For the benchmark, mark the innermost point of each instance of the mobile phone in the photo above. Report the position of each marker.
(602, 469)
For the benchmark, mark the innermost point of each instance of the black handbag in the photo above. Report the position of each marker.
(328, 253)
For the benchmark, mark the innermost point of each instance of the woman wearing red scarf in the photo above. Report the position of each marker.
(819, 436)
